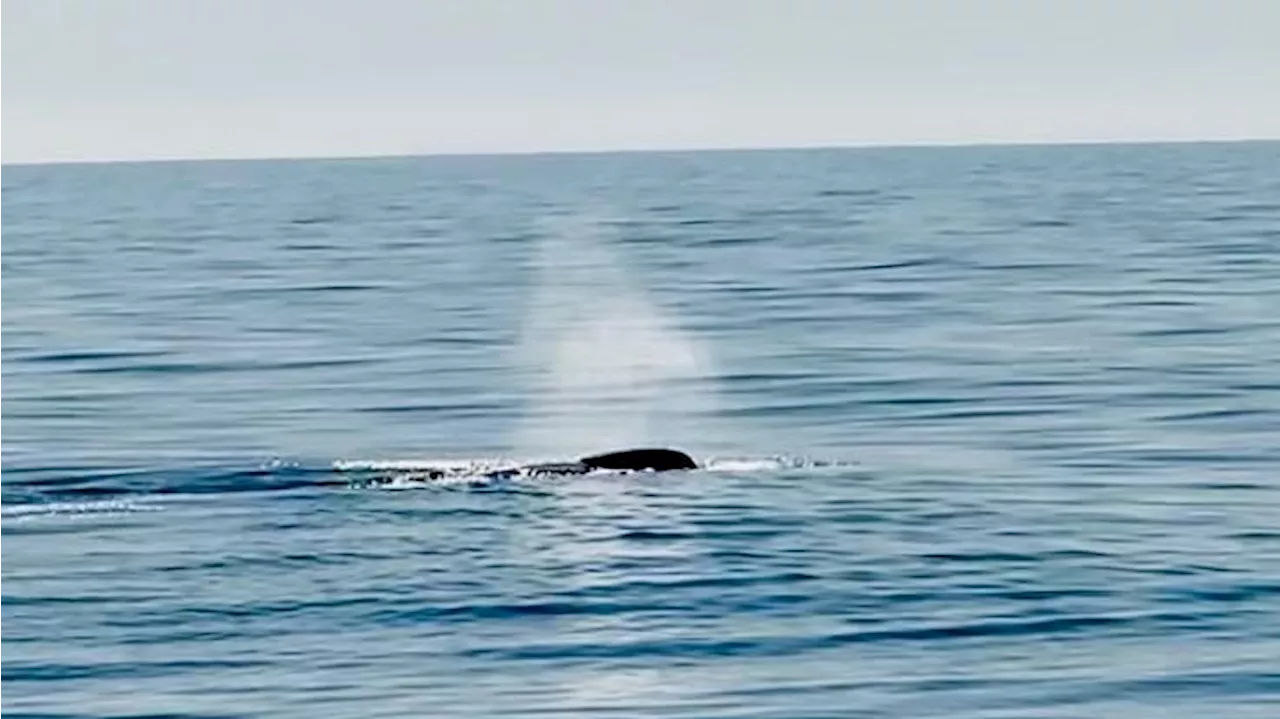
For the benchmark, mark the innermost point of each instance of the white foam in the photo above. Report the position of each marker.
(417, 473)
(410, 465)
(744, 465)
(765, 464)
(110, 506)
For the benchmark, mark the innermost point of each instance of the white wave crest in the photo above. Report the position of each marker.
(98, 508)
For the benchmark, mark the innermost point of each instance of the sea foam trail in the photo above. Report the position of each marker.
(609, 367)
(491, 472)
(74, 509)
(482, 464)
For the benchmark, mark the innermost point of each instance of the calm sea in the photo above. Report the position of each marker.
(986, 432)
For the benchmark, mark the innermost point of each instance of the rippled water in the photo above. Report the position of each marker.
(988, 432)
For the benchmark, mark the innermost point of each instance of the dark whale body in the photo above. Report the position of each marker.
(656, 460)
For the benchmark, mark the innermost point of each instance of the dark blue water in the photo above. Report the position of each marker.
(989, 432)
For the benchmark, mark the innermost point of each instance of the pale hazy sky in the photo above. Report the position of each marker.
(107, 79)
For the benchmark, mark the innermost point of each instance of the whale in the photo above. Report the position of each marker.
(653, 459)
(641, 459)
(657, 460)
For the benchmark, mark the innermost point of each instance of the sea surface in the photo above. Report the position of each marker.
(985, 432)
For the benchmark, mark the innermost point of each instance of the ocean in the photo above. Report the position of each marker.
(984, 432)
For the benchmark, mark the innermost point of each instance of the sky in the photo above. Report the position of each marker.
(153, 79)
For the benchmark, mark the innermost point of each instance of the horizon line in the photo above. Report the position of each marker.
(641, 150)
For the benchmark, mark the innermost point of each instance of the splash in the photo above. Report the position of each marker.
(501, 472)
(609, 367)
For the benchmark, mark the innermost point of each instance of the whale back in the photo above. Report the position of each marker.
(655, 459)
